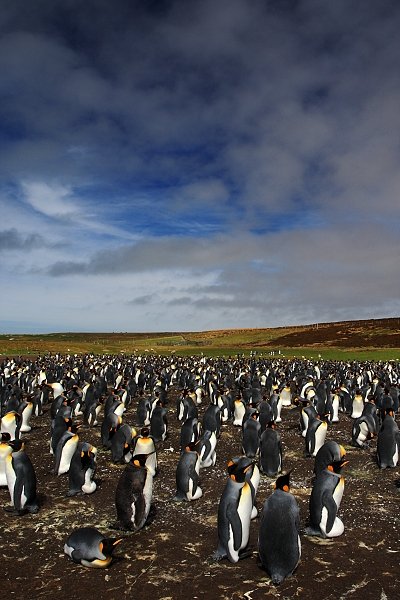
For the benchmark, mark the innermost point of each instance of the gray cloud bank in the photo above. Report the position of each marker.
(231, 159)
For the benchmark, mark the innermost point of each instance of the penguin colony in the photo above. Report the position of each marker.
(128, 399)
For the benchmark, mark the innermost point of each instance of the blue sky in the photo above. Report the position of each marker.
(191, 165)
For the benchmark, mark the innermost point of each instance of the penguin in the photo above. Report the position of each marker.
(11, 423)
(234, 512)
(25, 410)
(145, 445)
(82, 469)
(121, 444)
(65, 450)
(159, 422)
(186, 408)
(109, 426)
(307, 412)
(265, 413)
(363, 430)
(207, 446)
(326, 496)
(286, 395)
(190, 433)
(270, 451)
(88, 547)
(357, 405)
(251, 436)
(60, 426)
(315, 436)
(187, 475)
(21, 480)
(134, 494)
(238, 412)
(279, 545)
(329, 453)
(335, 399)
(212, 419)
(143, 411)
(388, 442)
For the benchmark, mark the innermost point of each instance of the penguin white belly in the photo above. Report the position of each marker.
(278, 413)
(26, 416)
(305, 418)
(148, 492)
(396, 456)
(239, 414)
(67, 454)
(338, 493)
(286, 397)
(89, 486)
(320, 436)
(5, 450)
(362, 436)
(245, 508)
(337, 529)
(335, 406)
(358, 405)
(234, 554)
(11, 477)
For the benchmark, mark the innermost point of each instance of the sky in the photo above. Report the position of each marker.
(187, 165)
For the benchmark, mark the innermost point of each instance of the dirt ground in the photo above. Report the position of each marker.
(169, 558)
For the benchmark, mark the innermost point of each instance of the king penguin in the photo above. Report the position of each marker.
(88, 547)
(234, 512)
(279, 544)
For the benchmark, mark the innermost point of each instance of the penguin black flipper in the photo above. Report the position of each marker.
(194, 477)
(236, 524)
(18, 487)
(330, 505)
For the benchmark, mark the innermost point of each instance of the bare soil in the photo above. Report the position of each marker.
(169, 558)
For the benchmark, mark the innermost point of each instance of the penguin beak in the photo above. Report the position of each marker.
(116, 542)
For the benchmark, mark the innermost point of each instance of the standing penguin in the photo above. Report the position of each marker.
(388, 443)
(82, 469)
(279, 544)
(134, 494)
(315, 436)
(88, 547)
(234, 512)
(270, 451)
(121, 444)
(251, 431)
(159, 422)
(187, 475)
(21, 480)
(325, 500)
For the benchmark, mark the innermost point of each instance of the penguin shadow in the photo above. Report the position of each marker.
(397, 483)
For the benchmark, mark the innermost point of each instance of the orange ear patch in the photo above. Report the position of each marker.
(233, 477)
(285, 488)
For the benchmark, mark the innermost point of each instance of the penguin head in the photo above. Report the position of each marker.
(283, 482)
(107, 545)
(145, 432)
(16, 445)
(5, 437)
(240, 468)
(337, 465)
(192, 447)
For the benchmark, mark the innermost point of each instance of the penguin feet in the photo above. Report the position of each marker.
(313, 532)
(14, 512)
(217, 556)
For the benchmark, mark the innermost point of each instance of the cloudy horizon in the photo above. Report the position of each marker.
(186, 165)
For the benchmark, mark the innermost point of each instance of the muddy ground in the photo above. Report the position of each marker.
(170, 558)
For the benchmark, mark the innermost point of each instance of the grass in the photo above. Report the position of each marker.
(265, 342)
